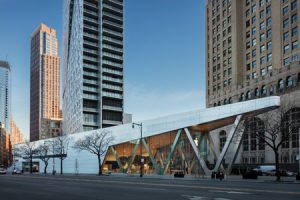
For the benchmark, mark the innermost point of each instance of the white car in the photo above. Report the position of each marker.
(3, 170)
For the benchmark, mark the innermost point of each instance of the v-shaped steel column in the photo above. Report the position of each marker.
(228, 141)
(196, 150)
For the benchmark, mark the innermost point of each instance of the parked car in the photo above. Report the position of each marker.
(3, 170)
(17, 171)
(267, 170)
(252, 174)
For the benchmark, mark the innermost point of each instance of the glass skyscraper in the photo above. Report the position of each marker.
(92, 64)
(5, 94)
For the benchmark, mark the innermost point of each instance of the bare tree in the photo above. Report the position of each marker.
(27, 151)
(278, 127)
(61, 147)
(95, 143)
(42, 152)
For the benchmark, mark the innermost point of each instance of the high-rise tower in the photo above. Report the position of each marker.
(92, 64)
(44, 81)
(5, 94)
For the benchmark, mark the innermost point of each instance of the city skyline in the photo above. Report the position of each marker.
(143, 85)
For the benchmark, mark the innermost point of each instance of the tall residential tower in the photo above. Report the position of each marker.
(5, 94)
(92, 64)
(44, 81)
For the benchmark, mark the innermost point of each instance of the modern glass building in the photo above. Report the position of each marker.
(92, 64)
(5, 94)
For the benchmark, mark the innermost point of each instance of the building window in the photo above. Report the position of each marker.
(253, 30)
(261, 3)
(268, 10)
(294, 5)
(253, 9)
(225, 101)
(229, 100)
(262, 14)
(286, 49)
(294, 18)
(254, 53)
(285, 10)
(286, 36)
(254, 42)
(254, 64)
(269, 21)
(262, 48)
(262, 60)
(263, 72)
(253, 20)
(269, 33)
(248, 96)
(242, 97)
(295, 45)
(222, 137)
(262, 25)
(254, 76)
(262, 37)
(280, 84)
(295, 32)
(286, 61)
(263, 90)
(269, 45)
(289, 81)
(286, 23)
(257, 92)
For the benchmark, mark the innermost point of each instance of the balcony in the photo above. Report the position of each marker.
(113, 64)
(91, 74)
(91, 5)
(90, 89)
(90, 35)
(105, 6)
(92, 82)
(110, 122)
(89, 58)
(93, 44)
(114, 41)
(113, 33)
(91, 51)
(112, 16)
(119, 26)
(112, 48)
(116, 80)
(112, 95)
(112, 87)
(110, 55)
(90, 96)
(94, 110)
(90, 20)
(89, 66)
(95, 14)
(111, 71)
(113, 108)
(90, 27)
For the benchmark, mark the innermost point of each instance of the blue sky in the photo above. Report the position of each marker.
(164, 53)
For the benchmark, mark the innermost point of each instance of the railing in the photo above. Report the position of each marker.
(91, 4)
(90, 51)
(90, 58)
(112, 40)
(112, 87)
(113, 16)
(112, 23)
(90, 35)
(90, 96)
(113, 95)
(112, 55)
(90, 27)
(90, 12)
(90, 43)
(106, 78)
(92, 74)
(90, 66)
(113, 8)
(112, 63)
(112, 71)
(112, 32)
(90, 19)
(112, 48)
(90, 81)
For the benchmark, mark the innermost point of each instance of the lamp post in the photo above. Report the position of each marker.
(53, 162)
(140, 125)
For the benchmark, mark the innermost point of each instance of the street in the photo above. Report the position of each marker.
(37, 187)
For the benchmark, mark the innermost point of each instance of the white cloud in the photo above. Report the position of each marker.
(144, 103)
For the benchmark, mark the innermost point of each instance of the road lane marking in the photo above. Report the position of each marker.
(202, 198)
(229, 192)
(168, 185)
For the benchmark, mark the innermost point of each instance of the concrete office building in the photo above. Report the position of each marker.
(252, 51)
(44, 80)
(16, 135)
(5, 94)
(93, 64)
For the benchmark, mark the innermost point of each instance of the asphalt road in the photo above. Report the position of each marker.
(39, 187)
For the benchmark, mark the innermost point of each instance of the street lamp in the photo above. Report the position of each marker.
(141, 148)
(53, 162)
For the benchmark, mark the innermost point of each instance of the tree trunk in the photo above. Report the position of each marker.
(61, 164)
(45, 168)
(277, 166)
(99, 165)
(30, 164)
